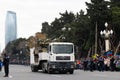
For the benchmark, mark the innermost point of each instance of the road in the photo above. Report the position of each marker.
(20, 72)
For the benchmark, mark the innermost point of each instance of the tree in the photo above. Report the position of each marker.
(81, 32)
(99, 12)
(45, 28)
(54, 29)
(115, 8)
(13, 48)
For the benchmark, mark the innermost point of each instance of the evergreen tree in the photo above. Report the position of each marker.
(99, 12)
(115, 8)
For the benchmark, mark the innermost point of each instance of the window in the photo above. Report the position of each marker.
(62, 48)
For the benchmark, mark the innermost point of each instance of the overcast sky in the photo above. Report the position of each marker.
(32, 13)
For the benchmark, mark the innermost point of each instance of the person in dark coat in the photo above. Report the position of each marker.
(101, 63)
(85, 63)
(1, 64)
(112, 65)
(6, 65)
(91, 64)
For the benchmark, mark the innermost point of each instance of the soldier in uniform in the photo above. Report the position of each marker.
(6, 64)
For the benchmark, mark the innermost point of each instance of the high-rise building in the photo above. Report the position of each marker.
(0, 49)
(10, 27)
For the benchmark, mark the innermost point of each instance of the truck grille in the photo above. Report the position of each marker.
(63, 58)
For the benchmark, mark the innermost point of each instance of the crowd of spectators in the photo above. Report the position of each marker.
(99, 63)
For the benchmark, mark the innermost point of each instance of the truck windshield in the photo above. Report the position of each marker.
(62, 48)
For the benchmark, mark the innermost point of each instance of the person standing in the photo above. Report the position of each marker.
(1, 64)
(85, 63)
(112, 65)
(101, 63)
(6, 64)
(91, 64)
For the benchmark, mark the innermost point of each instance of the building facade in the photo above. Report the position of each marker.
(10, 27)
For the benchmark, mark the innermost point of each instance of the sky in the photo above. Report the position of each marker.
(32, 13)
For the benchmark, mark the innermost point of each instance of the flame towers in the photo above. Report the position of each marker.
(10, 27)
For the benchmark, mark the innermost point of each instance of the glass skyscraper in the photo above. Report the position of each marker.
(10, 27)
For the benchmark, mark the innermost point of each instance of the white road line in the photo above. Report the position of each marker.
(56, 75)
(101, 75)
(10, 76)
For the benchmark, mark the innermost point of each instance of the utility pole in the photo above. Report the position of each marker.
(96, 38)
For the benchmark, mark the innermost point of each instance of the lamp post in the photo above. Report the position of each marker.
(106, 34)
(64, 29)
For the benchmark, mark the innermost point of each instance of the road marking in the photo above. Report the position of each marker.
(100, 75)
(107, 76)
(10, 76)
(56, 76)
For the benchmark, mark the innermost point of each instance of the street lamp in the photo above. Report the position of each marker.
(69, 29)
(64, 29)
(106, 34)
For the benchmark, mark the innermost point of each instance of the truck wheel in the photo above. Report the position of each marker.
(34, 69)
(71, 71)
(49, 71)
(43, 68)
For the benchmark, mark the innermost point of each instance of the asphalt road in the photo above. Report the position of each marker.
(20, 72)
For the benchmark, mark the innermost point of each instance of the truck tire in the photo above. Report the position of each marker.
(48, 70)
(71, 71)
(34, 69)
(43, 68)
